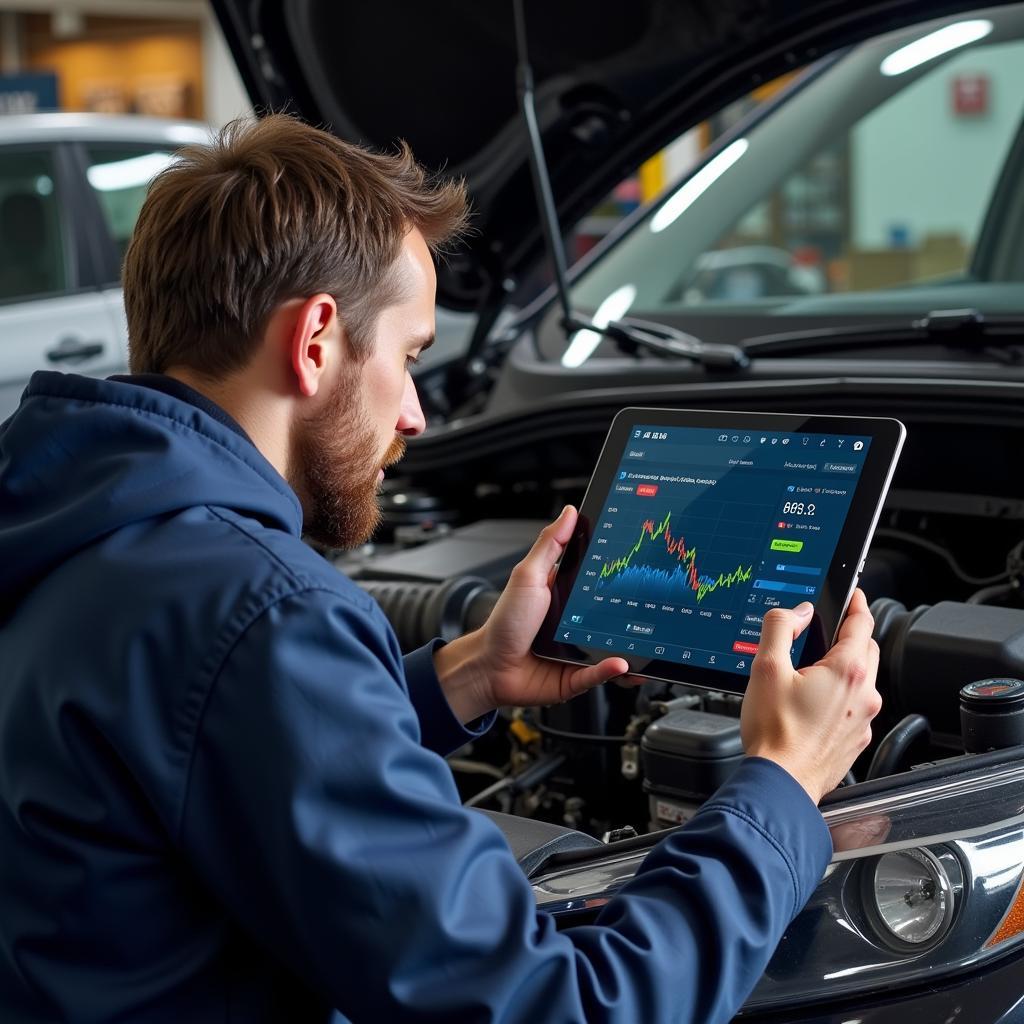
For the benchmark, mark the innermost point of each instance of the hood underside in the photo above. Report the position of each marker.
(614, 83)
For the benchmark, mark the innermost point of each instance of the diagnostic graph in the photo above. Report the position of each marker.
(643, 568)
(700, 532)
(697, 551)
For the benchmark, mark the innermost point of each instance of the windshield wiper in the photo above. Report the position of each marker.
(629, 334)
(999, 337)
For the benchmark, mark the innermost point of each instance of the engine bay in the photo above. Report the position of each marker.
(943, 578)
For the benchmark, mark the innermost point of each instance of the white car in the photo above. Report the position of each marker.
(70, 189)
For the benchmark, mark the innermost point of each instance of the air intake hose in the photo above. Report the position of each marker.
(418, 612)
(928, 653)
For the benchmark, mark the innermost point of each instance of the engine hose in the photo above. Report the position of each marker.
(895, 744)
(418, 612)
(994, 594)
(575, 737)
(531, 776)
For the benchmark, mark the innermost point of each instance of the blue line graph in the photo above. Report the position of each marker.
(669, 586)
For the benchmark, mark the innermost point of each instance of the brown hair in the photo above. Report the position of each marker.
(271, 210)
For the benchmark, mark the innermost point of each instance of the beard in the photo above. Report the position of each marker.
(337, 460)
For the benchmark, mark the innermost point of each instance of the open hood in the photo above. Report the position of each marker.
(614, 83)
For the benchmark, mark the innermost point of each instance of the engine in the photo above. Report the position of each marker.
(622, 761)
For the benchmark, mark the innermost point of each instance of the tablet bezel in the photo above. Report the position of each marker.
(887, 436)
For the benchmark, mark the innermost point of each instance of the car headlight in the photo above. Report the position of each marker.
(911, 899)
(926, 880)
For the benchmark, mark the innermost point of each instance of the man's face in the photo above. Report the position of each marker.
(343, 450)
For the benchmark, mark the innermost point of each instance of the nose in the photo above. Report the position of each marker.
(411, 420)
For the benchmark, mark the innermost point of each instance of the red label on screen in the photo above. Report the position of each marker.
(646, 490)
(742, 647)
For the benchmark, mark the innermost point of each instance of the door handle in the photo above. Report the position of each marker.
(74, 350)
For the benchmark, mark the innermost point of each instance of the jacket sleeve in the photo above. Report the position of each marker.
(337, 840)
(440, 730)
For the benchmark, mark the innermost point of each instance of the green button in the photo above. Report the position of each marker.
(787, 545)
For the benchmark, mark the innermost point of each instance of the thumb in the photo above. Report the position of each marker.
(561, 529)
(536, 567)
(594, 675)
(780, 627)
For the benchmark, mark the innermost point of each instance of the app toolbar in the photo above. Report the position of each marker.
(799, 440)
(735, 661)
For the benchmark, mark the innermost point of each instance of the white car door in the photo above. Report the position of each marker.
(46, 321)
(67, 332)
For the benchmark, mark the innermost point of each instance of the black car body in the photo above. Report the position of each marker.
(921, 911)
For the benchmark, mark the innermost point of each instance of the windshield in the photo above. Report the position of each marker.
(890, 182)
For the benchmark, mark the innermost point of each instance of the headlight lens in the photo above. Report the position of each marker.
(912, 899)
(927, 879)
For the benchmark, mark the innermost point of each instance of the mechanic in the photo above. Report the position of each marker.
(222, 788)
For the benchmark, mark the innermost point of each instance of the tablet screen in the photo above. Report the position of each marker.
(701, 532)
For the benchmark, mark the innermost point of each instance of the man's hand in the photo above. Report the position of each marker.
(494, 666)
(815, 721)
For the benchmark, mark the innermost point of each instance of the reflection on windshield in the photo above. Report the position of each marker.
(870, 190)
(952, 37)
(583, 343)
(696, 186)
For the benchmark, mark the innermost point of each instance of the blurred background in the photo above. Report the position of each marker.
(168, 58)
(159, 57)
(895, 197)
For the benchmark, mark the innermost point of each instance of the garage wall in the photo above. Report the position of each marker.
(894, 184)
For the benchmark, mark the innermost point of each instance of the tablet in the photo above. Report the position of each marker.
(696, 523)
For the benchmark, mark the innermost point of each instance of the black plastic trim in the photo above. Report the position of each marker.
(893, 786)
(92, 237)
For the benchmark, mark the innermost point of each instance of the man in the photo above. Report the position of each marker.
(221, 795)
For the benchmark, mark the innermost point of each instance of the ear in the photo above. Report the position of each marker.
(314, 341)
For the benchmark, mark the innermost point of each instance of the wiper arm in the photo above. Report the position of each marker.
(998, 337)
(631, 334)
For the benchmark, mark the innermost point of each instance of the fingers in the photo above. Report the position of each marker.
(779, 628)
(855, 655)
(547, 549)
(873, 657)
(858, 623)
(594, 675)
(562, 527)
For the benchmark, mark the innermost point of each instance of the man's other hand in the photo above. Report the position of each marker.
(812, 721)
(494, 667)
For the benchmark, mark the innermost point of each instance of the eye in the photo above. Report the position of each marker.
(411, 361)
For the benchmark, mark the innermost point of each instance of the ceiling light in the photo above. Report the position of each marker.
(696, 186)
(952, 37)
(130, 173)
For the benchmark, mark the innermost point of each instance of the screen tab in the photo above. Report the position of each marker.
(701, 532)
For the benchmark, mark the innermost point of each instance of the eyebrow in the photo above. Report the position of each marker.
(423, 343)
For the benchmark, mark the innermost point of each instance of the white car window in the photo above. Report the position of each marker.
(120, 176)
(32, 249)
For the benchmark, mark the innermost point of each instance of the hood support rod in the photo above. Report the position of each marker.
(539, 169)
(665, 341)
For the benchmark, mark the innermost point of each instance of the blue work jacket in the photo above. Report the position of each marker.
(222, 789)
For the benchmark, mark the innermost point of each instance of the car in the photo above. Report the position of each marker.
(880, 197)
(71, 186)
(744, 272)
